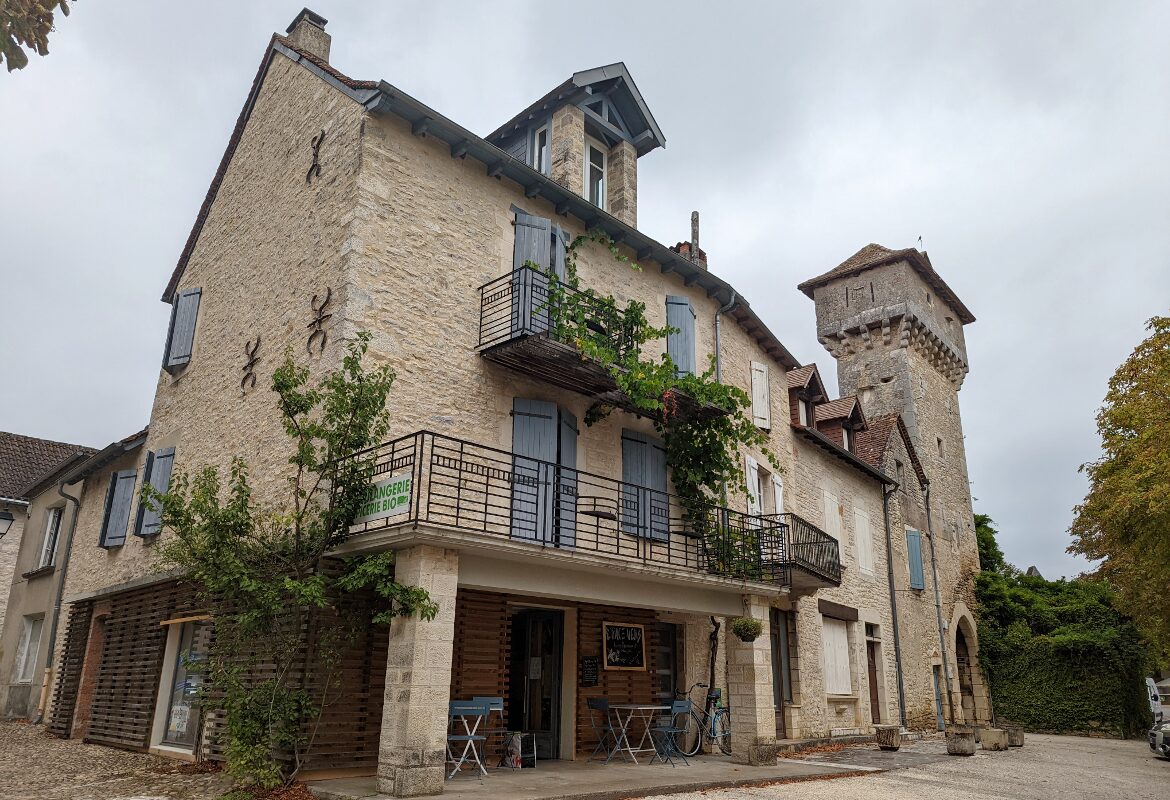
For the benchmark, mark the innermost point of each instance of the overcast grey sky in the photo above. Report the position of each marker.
(1027, 143)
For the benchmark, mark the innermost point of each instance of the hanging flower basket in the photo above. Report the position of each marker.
(746, 628)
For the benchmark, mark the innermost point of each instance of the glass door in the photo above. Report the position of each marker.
(535, 692)
(182, 721)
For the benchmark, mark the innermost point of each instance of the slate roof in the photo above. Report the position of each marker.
(874, 255)
(24, 459)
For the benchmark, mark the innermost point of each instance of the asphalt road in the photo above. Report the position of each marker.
(1064, 767)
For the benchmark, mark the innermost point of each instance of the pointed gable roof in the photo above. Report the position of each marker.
(841, 408)
(876, 255)
(807, 377)
(872, 443)
(612, 81)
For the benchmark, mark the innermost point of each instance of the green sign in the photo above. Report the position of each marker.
(386, 498)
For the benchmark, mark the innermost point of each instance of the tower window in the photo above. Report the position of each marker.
(929, 299)
(900, 474)
(941, 449)
(595, 168)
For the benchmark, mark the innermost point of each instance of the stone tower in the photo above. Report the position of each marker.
(896, 331)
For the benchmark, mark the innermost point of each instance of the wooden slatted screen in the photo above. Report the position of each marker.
(69, 668)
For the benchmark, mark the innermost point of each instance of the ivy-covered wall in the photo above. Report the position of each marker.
(1059, 657)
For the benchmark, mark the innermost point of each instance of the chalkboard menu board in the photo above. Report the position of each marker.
(625, 645)
(590, 670)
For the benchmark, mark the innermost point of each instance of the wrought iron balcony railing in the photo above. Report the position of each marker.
(430, 478)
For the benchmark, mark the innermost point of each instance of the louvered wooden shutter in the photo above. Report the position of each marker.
(864, 538)
(680, 345)
(567, 480)
(119, 498)
(158, 475)
(914, 558)
(761, 396)
(838, 674)
(752, 470)
(533, 239)
(181, 337)
(534, 448)
(778, 493)
(645, 505)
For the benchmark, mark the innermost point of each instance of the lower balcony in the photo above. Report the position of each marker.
(426, 478)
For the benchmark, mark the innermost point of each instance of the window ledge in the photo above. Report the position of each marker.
(39, 572)
(840, 698)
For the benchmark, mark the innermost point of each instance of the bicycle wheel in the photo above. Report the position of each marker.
(691, 737)
(723, 731)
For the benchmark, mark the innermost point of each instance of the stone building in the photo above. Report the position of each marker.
(344, 205)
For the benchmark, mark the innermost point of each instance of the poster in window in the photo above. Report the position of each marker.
(625, 645)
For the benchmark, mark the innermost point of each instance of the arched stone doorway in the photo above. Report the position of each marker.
(966, 682)
(970, 692)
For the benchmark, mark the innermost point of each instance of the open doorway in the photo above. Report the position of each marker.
(966, 681)
(534, 696)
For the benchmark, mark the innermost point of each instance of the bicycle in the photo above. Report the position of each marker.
(712, 723)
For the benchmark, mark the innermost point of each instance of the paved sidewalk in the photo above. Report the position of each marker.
(35, 766)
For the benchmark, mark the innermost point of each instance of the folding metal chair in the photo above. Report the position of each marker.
(469, 714)
(663, 736)
(495, 706)
(602, 722)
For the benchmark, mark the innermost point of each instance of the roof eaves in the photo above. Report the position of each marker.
(49, 478)
(425, 121)
(827, 444)
(107, 454)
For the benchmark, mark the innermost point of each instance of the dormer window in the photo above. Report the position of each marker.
(805, 410)
(847, 439)
(540, 148)
(595, 169)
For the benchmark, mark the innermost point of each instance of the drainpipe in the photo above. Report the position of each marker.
(942, 639)
(44, 698)
(732, 303)
(894, 606)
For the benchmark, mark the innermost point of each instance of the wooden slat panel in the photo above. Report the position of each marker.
(69, 670)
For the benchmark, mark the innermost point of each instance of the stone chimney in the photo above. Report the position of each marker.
(691, 250)
(307, 32)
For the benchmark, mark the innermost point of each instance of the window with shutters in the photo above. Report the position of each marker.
(755, 485)
(52, 535)
(26, 653)
(832, 509)
(864, 537)
(914, 559)
(645, 505)
(680, 344)
(158, 475)
(181, 336)
(838, 671)
(119, 498)
(761, 396)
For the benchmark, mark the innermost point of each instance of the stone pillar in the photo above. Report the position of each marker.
(749, 684)
(412, 752)
(567, 159)
(622, 195)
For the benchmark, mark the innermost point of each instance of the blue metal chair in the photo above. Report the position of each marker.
(602, 722)
(665, 735)
(467, 714)
(495, 706)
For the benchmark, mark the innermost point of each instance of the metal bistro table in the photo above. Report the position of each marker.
(625, 713)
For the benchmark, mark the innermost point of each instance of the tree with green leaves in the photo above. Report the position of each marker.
(991, 558)
(1124, 520)
(26, 24)
(262, 570)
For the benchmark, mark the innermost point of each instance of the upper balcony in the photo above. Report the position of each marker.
(527, 326)
(497, 497)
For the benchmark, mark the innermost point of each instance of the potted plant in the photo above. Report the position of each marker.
(746, 628)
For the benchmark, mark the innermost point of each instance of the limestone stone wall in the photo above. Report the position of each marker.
(814, 713)
(270, 242)
(9, 548)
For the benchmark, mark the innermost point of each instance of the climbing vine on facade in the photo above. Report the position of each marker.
(262, 571)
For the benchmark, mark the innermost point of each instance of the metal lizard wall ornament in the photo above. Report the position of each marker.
(249, 380)
(315, 167)
(317, 326)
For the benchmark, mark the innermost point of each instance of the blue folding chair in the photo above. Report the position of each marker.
(495, 706)
(468, 715)
(602, 722)
(665, 736)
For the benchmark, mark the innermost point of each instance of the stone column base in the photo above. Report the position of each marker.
(411, 781)
(760, 753)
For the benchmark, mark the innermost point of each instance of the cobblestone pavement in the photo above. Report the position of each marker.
(35, 766)
(1047, 767)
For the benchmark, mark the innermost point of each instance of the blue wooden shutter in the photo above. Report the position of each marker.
(645, 504)
(559, 243)
(681, 344)
(158, 475)
(567, 481)
(119, 498)
(530, 286)
(914, 557)
(181, 337)
(534, 452)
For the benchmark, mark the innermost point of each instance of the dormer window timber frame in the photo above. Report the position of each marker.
(541, 148)
(596, 172)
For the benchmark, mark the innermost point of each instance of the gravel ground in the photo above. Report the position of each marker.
(1064, 767)
(35, 766)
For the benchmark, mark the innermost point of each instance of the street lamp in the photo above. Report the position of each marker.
(6, 520)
